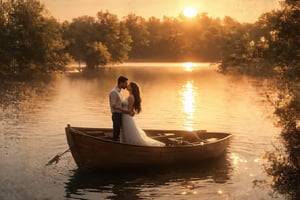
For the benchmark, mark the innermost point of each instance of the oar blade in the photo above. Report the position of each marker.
(54, 159)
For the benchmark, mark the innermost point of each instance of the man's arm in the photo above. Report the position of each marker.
(113, 97)
(130, 110)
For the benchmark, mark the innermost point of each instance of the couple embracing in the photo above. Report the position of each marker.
(123, 112)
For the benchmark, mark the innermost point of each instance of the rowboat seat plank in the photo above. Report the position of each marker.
(95, 132)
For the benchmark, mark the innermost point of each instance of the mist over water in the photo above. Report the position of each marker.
(174, 96)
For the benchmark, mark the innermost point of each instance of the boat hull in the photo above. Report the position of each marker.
(99, 152)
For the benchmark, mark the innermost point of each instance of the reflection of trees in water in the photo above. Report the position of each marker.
(138, 183)
(285, 160)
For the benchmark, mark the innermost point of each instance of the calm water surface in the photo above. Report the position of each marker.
(33, 116)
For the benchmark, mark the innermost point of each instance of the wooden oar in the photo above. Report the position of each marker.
(57, 157)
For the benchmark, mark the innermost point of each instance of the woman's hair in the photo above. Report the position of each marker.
(137, 98)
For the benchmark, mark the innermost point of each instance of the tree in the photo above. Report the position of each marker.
(97, 42)
(202, 37)
(137, 29)
(234, 45)
(123, 44)
(171, 39)
(4, 38)
(33, 41)
(284, 53)
(114, 35)
(96, 55)
(284, 31)
(154, 28)
(80, 34)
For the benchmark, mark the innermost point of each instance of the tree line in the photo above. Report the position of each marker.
(32, 40)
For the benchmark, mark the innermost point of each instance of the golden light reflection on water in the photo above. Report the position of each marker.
(188, 104)
(220, 104)
(188, 66)
(236, 160)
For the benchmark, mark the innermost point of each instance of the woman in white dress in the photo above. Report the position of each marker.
(132, 133)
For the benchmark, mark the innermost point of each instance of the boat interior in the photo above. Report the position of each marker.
(169, 137)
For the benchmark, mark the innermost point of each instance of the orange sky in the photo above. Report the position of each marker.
(242, 10)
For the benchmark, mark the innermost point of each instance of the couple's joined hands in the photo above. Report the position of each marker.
(129, 112)
(132, 113)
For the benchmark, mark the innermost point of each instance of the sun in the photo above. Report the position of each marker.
(190, 11)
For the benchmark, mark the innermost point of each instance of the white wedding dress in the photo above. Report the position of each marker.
(132, 133)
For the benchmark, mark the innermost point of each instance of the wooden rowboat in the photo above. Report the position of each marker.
(93, 148)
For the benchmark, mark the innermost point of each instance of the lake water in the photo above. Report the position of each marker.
(174, 96)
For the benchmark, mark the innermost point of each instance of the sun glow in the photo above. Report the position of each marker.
(190, 12)
(188, 66)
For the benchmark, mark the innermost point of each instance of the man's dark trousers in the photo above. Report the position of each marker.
(117, 123)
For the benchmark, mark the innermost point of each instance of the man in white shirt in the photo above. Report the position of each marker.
(115, 100)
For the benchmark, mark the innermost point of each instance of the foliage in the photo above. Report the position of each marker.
(284, 43)
(176, 39)
(30, 41)
(79, 34)
(114, 35)
(137, 29)
(104, 39)
(97, 41)
(171, 39)
(284, 162)
(283, 52)
(96, 54)
(270, 45)
(135, 38)
(164, 39)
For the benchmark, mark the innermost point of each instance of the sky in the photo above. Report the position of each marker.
(241, 10)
